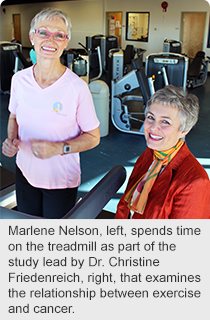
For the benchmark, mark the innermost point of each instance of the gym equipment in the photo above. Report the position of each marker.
(129, 54)
(21, 61)
(93, 42)
(121, 117)
(111, 42)
(198, 70)
(7, 188)
(115, 65)
(167, 68)
(96, 199)
(120, 61)
(106, 43)
(92, 203)
(8, 63)
(172, 46)
(78, 60)
(80, 66)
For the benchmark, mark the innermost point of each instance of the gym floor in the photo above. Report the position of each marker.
(119, 148)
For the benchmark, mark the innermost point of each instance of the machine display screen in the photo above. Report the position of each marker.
(165, 61)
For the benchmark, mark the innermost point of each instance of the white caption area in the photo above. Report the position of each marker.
(102, 269)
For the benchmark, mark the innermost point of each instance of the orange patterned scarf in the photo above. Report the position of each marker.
(137, 196)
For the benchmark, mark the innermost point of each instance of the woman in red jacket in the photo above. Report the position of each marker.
(167, 181)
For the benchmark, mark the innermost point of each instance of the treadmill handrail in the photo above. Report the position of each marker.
(92, 203)
(96, 199)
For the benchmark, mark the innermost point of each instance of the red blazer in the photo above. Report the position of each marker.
(181, 191)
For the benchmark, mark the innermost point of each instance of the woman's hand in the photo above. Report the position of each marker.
(10, 147)
(45, 149)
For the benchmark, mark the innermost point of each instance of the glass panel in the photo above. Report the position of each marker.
(137, 26)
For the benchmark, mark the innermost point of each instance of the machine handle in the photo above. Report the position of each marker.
(100, 65)
(96, 199)
(92, 203)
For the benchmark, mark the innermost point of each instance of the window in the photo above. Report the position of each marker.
(137, 26)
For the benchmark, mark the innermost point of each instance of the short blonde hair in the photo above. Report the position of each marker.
(176, 97)
(48, 14)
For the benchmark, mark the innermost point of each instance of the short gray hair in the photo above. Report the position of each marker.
(48, 14)
(186, 103)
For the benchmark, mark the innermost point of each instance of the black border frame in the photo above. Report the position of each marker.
(127, 13)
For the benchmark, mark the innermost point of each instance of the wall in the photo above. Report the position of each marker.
(162, 24)
(88, 17)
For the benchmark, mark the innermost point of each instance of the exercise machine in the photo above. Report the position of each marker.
(95, 200)
(198, 70)
(119, 61)
(160, 70)
(172, 46)
(122, 93)
(8, 63)
(91, 206)
(20, 61)
(115, 64)
(167, 68)
(7, 188)
(78, 60)
(106, 43)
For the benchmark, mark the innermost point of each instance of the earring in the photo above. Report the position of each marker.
(32, 43)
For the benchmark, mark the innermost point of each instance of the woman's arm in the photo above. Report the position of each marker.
(10, 145)
(86, 141)
(46, 149)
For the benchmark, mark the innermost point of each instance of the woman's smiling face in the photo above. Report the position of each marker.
(161, 127)
(50, 48)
